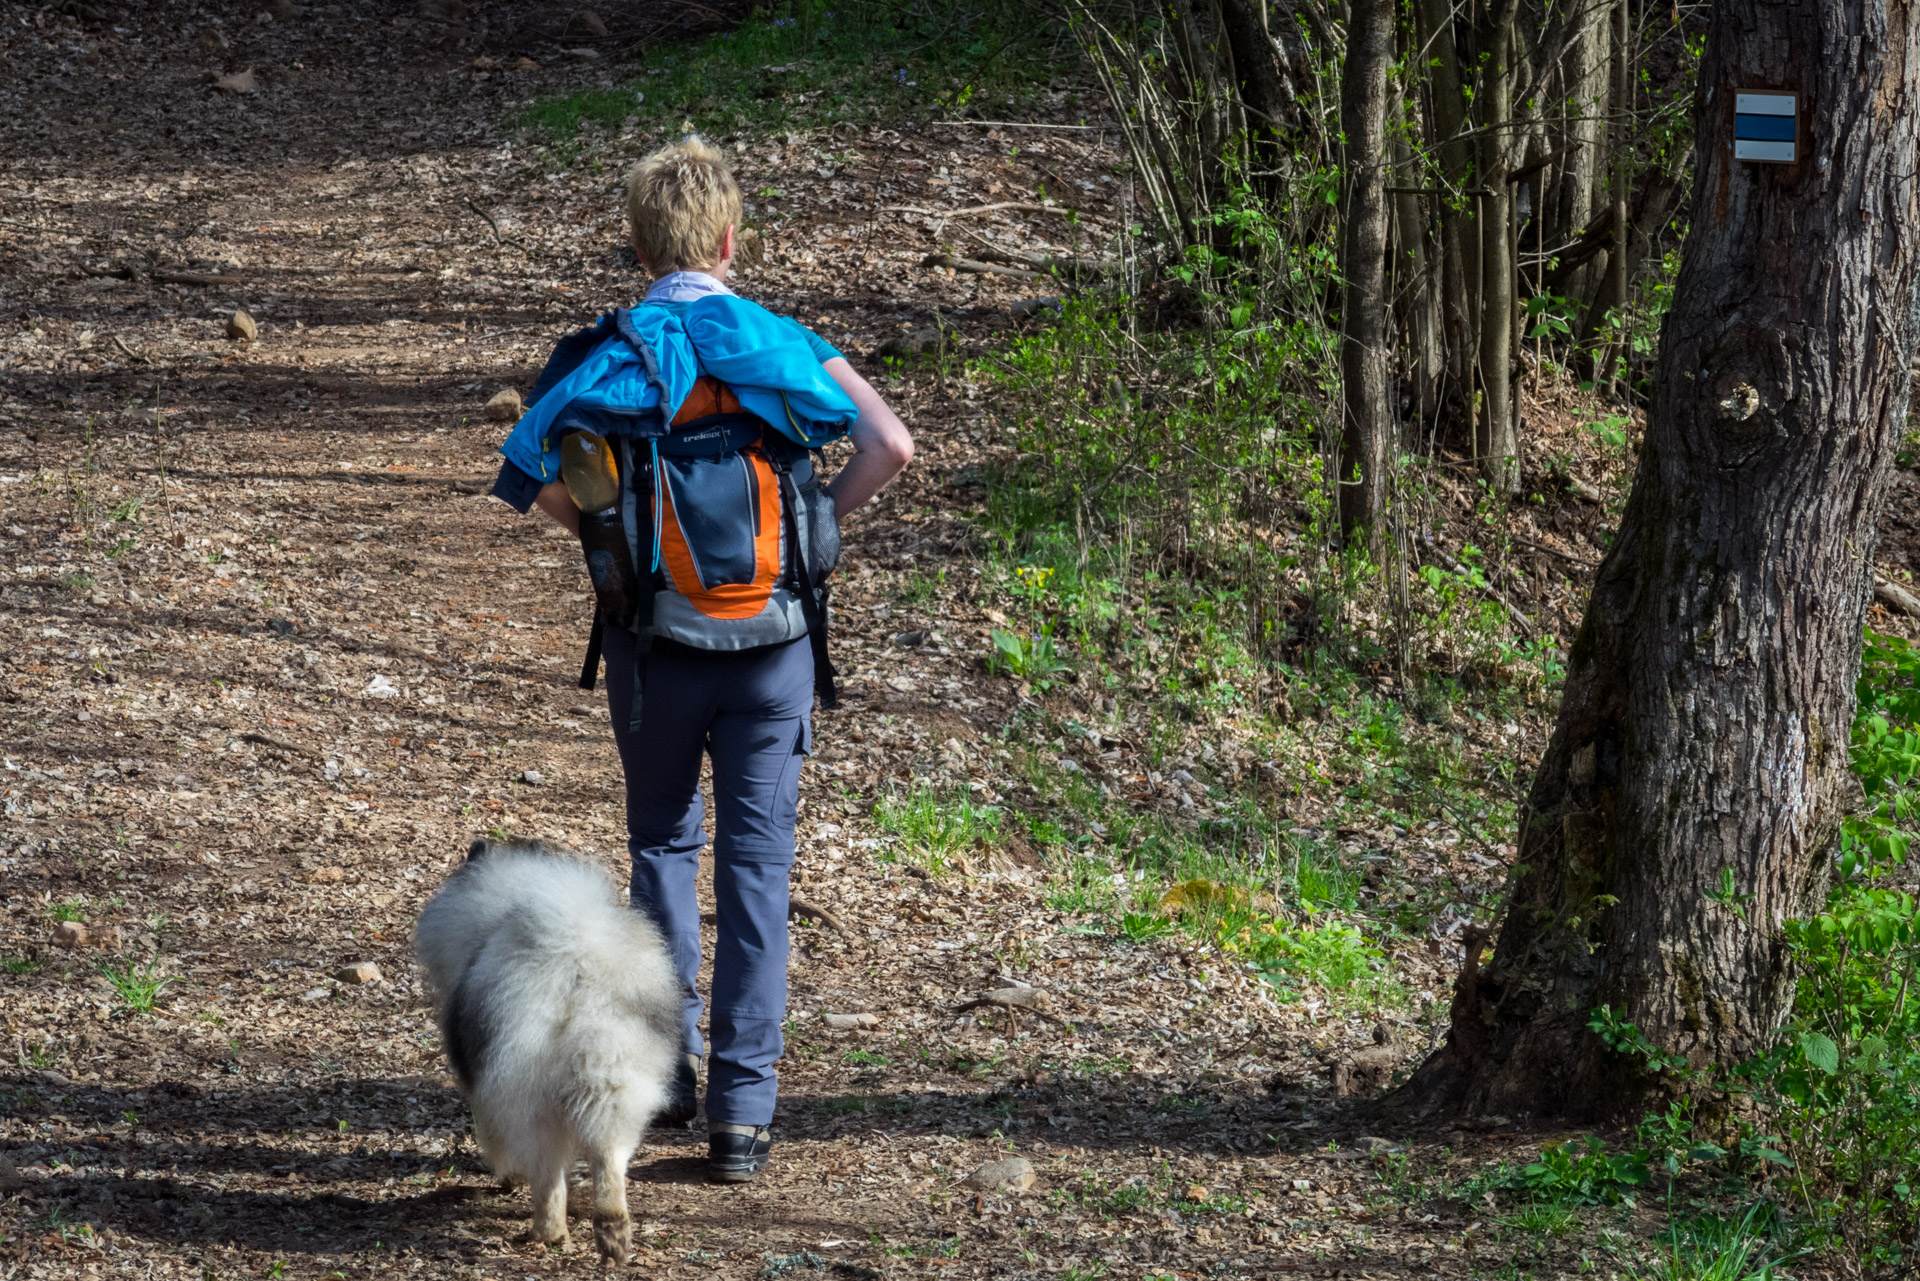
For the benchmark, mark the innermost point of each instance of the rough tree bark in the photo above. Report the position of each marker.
(1459, 284)
(1585, 72)
(1366, 432)
(1495, 439)
(1710, 689)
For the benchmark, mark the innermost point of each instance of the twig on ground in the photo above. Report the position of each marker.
(1013, 1000)
(1554, 551)
(1895, 597)
(801, 907)
(1025, 206)
(1453, 566)
(278, 744)
(980, 268)
(1041, 262)
(498, 235)
(1019, 124)
(163, 277)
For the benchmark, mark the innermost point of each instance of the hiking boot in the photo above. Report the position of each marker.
(683, 1104)
(735, 1153)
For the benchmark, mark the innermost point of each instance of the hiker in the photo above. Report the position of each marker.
(675, 439)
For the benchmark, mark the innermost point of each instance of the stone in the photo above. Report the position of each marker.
(586, 20)
(850, 1022)
(532, 776)
(505, 407)
(328, 875)
(241, 327)
(238, 82)
(921, 342)
(71, 934)
(360, 972)
(1375, 1144)
(1009, 1174)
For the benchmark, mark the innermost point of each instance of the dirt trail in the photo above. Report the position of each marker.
(270, 657)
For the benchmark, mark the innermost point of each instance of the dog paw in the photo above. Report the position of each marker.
(615, 1239)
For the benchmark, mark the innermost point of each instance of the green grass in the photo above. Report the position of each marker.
(1083, 888)
(137, 985)
(809, 64)
(932, 829)
(1715, 1247)
(1542, 1218)
(919, 589)
(864, 1058)
(73, 909)
(18, 964)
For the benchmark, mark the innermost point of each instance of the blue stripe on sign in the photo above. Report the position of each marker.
(1767, 128)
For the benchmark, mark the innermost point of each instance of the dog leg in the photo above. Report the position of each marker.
(549, 1186)
(612, 1227)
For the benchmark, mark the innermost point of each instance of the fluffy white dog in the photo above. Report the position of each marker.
(561, 1017)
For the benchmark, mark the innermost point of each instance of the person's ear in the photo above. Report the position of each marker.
(640, 255)
(726, 244)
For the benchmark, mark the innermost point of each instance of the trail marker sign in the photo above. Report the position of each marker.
(1766, 126)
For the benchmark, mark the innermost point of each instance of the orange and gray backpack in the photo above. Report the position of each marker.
(710, 528)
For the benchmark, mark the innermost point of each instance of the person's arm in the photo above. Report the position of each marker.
(881, 444)
(557, 503)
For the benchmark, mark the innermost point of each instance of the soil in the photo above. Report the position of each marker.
(271, 657)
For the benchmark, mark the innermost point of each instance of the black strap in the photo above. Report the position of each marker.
(813, 601)
(590, 670)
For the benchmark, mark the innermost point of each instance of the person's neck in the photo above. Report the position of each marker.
(716, 274)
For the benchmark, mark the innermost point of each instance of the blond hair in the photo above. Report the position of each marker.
(680, 202)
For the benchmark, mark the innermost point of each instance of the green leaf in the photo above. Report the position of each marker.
(1821, 1052)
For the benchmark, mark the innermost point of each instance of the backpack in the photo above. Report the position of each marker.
(710, 529)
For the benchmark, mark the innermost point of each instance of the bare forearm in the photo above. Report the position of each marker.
(557, 503)
(881, 443)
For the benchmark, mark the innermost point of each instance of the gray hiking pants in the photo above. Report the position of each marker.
(752, 712)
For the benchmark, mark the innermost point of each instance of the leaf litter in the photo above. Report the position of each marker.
(272, 658)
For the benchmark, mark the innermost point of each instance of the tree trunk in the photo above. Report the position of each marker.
(1705, 726)
(1494, 436)
(1459, 280)
(1414, 261)
(1366, 432)
(1585, 71)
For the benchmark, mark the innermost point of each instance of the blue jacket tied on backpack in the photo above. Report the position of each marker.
(634, 381)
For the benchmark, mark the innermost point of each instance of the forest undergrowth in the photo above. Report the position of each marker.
(1133, 722)
(1159, 553)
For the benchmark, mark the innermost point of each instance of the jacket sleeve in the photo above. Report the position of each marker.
(515, 488)
(823, 351)
(568, 353)
(525, 447)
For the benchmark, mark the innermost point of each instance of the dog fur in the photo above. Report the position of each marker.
(561, 1017)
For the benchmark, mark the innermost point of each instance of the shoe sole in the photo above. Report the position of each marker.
(734, 1174)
